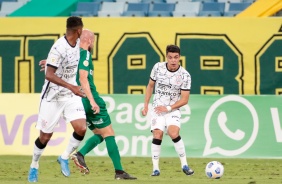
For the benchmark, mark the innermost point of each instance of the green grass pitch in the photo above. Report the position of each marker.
(14, 170)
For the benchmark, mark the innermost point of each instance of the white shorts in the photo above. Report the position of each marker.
(164, 120)
(51, 112)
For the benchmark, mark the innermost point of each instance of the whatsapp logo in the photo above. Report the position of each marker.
(231, 126)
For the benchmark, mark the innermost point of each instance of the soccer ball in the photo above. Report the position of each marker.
(214, 170)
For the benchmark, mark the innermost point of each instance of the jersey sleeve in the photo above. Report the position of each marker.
(154, 71)
(84, 60)
(55, 56)
(186, 84)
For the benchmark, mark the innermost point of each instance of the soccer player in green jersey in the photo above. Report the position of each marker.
(97, 117)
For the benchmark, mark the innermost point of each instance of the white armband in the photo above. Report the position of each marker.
(168, 108)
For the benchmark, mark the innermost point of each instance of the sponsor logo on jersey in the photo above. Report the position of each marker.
(100, 121)
(164, 86)
(167, 93)
(174, 116)
(71, 67)
(85, 63)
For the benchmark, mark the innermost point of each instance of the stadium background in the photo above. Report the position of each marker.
(225, 56)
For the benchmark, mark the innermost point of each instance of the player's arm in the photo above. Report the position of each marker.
(148, 94)
(50, 76)
(83, 74)
(184, 97)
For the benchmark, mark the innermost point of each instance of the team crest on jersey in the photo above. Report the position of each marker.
(85, 63)
(53, 60)
(178, 79)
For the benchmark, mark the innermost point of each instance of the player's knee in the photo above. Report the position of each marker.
(173, 135)
(80, 129)
(157, 134)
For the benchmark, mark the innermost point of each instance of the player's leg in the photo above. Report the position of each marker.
(113, 152)
(156, 150)
(75, 114)
(157, 128)
(173, 131)
(93, 141)
(89, 145)
(106, 131)
(47, 120)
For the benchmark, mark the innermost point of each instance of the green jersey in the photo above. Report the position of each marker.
(102, 119)
(85, 63)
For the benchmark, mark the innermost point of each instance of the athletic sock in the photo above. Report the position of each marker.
(73, 145)
(113, 152)
(91, 143)
(37, 152)
(180, 149)
(156, 151)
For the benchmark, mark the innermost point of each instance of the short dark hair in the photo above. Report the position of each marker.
(74, 22)
(173, 48)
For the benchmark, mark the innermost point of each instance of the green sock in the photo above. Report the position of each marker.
(113, 152)
(91, 143)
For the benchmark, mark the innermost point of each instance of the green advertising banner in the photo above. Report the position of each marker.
(238, 126)
(212, 126)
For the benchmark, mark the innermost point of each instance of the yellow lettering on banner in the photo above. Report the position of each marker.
(117, 48)
(212, 90)
(136, 61)
(211, 62)
(240, 34)
(24, 70)
(131, 89)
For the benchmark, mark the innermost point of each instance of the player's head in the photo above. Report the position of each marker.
(173, 57)
(173, 49)
(87, 39)
(74, 25)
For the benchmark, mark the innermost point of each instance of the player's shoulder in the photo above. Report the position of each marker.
(61, 42)
(184, 71)
(160, 64)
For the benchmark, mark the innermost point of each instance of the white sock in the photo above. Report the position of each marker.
(73, 145)
(180, 149)
(36, 156)
(156, 151)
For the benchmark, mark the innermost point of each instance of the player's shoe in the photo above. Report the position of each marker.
(156, 173)
(64, 166)
(124, 176)
(33, 175)
(78, 159)
(187, 170)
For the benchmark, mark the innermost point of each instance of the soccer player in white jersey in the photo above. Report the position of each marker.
(172, 90)
(61, 96)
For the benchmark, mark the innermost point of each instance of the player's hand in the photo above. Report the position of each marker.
(144, 111)
(77, 90)
(160, 109)
(95, 108)
(42, 65)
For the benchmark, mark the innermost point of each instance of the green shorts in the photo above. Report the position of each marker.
(100, 120)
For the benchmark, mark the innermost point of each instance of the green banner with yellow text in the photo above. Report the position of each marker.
(239, 126)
